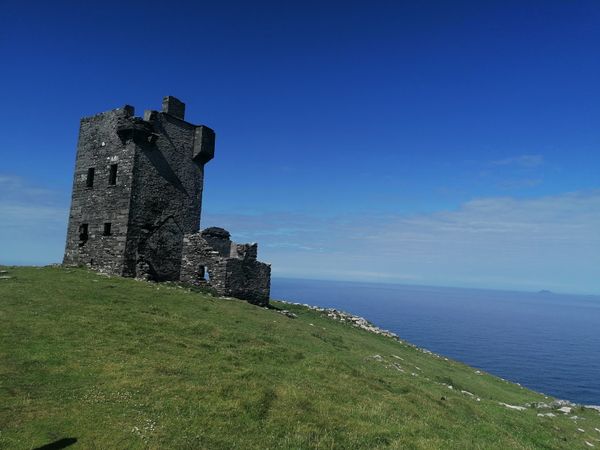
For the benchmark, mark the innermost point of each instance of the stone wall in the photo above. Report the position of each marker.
(97, 202)
(166, 198)
(247, 279)
(241, 276)
(197, 259)
(218, 239)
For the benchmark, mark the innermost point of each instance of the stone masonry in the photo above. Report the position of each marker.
(137, 199)
(210, 257)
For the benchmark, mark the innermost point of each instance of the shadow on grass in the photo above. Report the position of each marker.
(57, 445)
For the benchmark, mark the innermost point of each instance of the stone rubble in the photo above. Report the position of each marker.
(559, 403)
(515, 407)
(539, 405)
(287, 313)
(341, 316)
(397, 366)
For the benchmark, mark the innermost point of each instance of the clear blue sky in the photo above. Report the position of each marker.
(436, 142)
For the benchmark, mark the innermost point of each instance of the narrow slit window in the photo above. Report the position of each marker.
(107, 229)
(83, 233)
(112, 178)
(90, 177)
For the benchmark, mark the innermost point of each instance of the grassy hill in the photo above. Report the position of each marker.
(117, 363)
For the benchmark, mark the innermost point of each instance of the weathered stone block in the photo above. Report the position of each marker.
(174, 107)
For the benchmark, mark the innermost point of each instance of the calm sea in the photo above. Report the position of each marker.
(547, 342)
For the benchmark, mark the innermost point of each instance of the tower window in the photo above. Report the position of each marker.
(90, 177)
(112, 178)
(83, 233)
(107, 229)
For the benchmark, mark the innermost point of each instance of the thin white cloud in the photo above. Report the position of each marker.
(520, 161)
(22, 204)
(522, 183)
(547, 242)
(20, 215)
(19, 189)
(33, 222)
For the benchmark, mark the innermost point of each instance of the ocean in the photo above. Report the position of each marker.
(547, 342)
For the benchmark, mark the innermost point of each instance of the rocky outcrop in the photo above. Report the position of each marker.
(351, 319)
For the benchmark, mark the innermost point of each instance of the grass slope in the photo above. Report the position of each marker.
(118, 363)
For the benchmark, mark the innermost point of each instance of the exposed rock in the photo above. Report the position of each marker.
(558, 403)
(517, 408)
(540, 405)
(341, 316)
(397, 366)
(287, 313)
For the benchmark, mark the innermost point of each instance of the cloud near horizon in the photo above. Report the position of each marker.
(33, 223)
(550, 242)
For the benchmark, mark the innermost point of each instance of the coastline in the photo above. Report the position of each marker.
(561, 405)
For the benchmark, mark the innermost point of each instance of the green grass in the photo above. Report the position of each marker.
(117, 363)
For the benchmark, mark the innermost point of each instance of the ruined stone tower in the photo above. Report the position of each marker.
(136, 203)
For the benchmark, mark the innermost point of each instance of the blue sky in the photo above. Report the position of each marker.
(450, 143)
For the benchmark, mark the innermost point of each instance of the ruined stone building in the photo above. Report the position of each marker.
(136, 203)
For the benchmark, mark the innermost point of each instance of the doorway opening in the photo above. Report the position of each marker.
(203, 274)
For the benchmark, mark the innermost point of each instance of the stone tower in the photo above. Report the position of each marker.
(137, 192)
